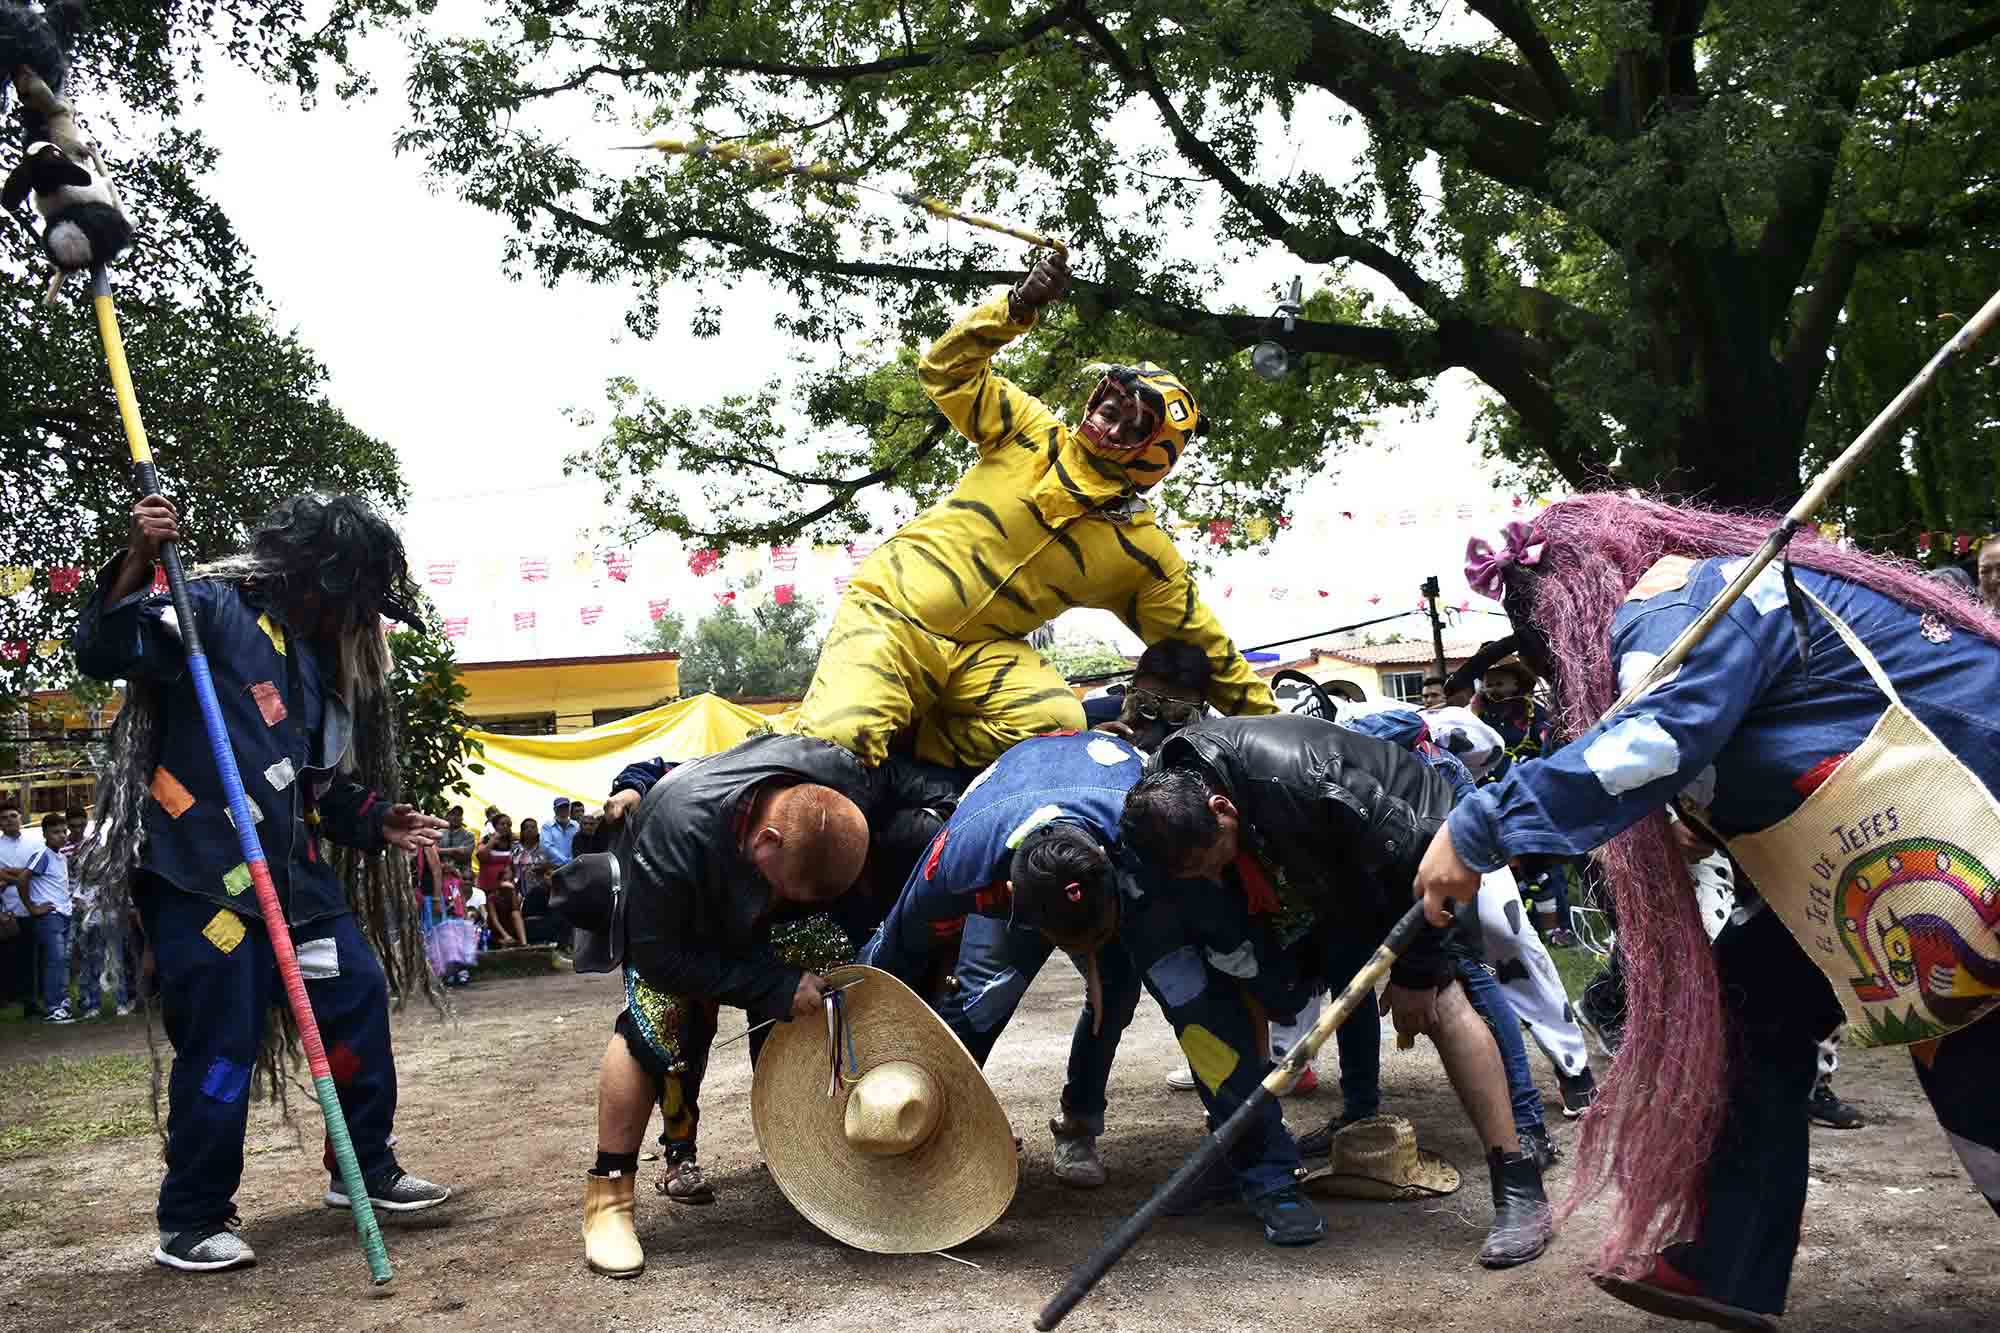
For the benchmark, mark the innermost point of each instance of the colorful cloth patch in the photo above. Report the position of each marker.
(238, 879)
(342, 1062)
(1110, 753)
(1634, 752)
(256, 813)
(1179, 977)
(268, 702)
(1209, 1056)
(175, 799)
(1766, 592)
(1033, 822)
(1668, 574)
(281, 774)
(1633, 666)
(224, 930)
(226, 1081)
(272, 632)
(1240, 962)
(319, 960)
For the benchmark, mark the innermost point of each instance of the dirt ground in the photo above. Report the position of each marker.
(498, 1103)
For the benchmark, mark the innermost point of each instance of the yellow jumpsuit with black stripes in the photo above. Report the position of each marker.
(930, 634)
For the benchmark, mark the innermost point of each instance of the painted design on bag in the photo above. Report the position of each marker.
(1928, 953)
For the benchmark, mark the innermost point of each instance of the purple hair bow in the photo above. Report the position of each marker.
(1486, 569)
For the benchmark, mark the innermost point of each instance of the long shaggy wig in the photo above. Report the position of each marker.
(1658, 1115)
(334, 548)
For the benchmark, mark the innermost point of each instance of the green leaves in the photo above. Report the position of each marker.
(431, 719)
(768, 650)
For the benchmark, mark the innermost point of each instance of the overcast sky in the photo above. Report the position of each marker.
(431, 347)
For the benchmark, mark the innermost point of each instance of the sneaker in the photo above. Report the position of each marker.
(1182, 1079)
(1666, 1291)
(1075, 1159)
(60, 1014)
(203, 1250)
(1578, 1092)
(1288, 1218)
(1307, 1085)
(1538, 1145)
(1561, 939)
(683, 1182)
(1319, 1142)
(1823, 1108)
(126, 1010)
(394, 1191)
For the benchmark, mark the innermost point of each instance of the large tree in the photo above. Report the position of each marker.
(768, 651)
(236, 407)
(1638, 224)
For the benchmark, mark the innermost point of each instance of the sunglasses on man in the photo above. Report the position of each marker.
(1158, 708)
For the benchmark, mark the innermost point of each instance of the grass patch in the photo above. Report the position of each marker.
(17, 1213)
(59, 1103)
(1577, 967)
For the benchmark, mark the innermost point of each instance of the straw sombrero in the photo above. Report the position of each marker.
(913, 1154)
(1378, 1158)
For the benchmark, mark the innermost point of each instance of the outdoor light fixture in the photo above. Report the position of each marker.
(1268, 358)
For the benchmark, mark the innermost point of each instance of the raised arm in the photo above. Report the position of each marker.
(957, 371)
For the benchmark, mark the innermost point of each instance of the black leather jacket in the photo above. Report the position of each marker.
(1348, 816)
(699, 915)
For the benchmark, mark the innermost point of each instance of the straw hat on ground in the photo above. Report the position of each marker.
(1378, 1158)
(913, 1154)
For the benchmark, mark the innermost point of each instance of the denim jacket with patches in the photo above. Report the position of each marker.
(289, 733)
(1084, 775)
(1742, 727)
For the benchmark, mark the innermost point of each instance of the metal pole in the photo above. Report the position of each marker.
(275, 925)
(1430, 592)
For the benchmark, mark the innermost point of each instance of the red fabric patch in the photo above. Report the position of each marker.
(996, 899)
(344, 1063)
(1810, 781)
(948, 927)
(268, 702)
(1071, 732)
(937, 850)
(1256, 885)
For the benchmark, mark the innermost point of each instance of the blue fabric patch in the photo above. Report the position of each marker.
(227, 1081)
(1179, 977)
(997, 1002)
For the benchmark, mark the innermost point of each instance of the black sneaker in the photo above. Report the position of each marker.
(1319, 1142)
(1538, 1145)
(394, 1191)
(1823, 1108)
(1578, 1092)
(1288, 1218)
(203, 1250)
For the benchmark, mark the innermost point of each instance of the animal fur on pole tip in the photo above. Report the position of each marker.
(762, 163)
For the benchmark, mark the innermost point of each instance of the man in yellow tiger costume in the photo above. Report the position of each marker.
(930, 636)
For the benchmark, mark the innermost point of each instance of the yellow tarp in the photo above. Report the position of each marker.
(524, 774)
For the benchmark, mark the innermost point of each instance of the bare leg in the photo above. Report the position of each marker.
(1472, 1062)
(520, 929)
(625, 1100)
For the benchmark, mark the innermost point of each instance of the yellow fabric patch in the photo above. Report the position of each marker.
(1209, 1056)
(272, 632)
(1667, 574)
(175, 799)
(224, 930)
(237, 880)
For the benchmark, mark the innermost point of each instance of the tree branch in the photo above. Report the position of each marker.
(1047, 21)
(844, 491)
(1395, 350)
(1313, 248)
(1804, 359)
(1386, 81)
(1916, 53)
(1518, 26)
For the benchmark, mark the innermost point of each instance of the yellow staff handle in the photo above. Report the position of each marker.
(121, 373)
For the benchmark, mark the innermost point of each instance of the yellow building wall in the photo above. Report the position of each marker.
(575, 690)
(1368, 678)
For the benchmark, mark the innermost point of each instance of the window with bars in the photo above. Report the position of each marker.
(1407, 686)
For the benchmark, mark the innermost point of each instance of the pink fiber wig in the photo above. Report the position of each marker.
(1657, 1118)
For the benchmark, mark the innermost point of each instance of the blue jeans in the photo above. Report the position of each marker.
(997, 964)
(1483, 989)
(51, 935)
(216, 990)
